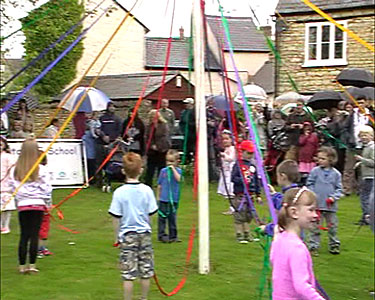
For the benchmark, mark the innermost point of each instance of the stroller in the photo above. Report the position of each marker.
(113, 169)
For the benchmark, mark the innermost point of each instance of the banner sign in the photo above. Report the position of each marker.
(66, 160)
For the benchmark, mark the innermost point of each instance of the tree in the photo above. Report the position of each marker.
(62, 14)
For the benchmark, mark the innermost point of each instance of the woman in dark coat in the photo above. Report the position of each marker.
(135, 134)
(158, 143)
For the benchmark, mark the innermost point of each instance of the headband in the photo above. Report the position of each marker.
(297, 196)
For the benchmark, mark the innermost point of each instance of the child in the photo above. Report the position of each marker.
(292, 272)
(228, 158)
(366, 135)
(325, 181)
(132, 205)
(243, 212)
(287, 175)
(94, 124)
(309, 144)
(17, 131)
(44, 226)
(31, 201)
(168, 193)
(7, 204)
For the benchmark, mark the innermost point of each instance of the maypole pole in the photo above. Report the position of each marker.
(200, 115)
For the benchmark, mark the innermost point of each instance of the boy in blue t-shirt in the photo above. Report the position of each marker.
(168, 193)
(132, 205)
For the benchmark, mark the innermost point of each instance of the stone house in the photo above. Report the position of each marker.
(313, 50)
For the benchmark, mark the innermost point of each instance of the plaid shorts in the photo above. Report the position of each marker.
(243, 215)
(137, 256)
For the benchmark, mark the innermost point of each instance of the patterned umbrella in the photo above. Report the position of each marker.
(95, 100)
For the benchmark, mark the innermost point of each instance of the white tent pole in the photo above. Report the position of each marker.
(200, 113)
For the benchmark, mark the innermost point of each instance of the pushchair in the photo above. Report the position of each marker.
(113, 169)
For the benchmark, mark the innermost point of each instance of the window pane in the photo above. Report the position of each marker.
(325, 50)
(338, 34)
(325, 33)
(312, 51)
(338, 50)
(312, 34)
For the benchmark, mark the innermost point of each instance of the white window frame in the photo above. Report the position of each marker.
(318, 62)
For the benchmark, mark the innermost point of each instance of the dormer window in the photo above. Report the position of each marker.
(325, 44)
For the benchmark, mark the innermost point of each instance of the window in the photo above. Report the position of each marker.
(325, 44)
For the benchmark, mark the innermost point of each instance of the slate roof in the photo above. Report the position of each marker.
(125, 86)
(265, 77)
(297, 6)
(243, 33)
(156, 51)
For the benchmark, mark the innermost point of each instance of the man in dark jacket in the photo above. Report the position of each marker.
(293, 127)
(187, 127)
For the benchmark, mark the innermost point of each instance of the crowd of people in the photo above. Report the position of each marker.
(314, 161)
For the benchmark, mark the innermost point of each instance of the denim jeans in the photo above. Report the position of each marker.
(367, 185)
(170, 216)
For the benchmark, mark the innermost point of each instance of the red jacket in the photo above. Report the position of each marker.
(309, 145)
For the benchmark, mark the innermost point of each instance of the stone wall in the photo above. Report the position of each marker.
(291, 45)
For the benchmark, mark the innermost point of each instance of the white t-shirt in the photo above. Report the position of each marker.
(133, 203)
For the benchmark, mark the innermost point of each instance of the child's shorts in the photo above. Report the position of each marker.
(137, 256)
(242, 215)
(44, 227)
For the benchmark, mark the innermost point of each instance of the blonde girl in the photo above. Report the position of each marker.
(7, 203)
(292, 275)
(31, 199)
(228, 158)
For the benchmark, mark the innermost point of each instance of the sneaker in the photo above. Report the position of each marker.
(164, 239)
(243, 241)
(361, 222)
(248, 237)
(239, 237)
(227, 213)
(46, 252)
(40, 254)
(256, 239)
(314, 252)
(5, 230)
(334, 250)
(32, 269)
(176, 240)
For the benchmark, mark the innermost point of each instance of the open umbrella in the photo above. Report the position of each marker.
(252, 92)
(220, 102)
(287, 108)
(356, 77)
(324, 100)
(95, 100)
(367, 93)
(290, 97)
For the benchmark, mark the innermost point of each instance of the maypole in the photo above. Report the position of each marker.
(200, 115)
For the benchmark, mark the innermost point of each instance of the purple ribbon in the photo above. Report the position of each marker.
(248, 121)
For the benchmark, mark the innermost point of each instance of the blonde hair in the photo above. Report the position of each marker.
(152, 114)
(172, 155)
(29, 155)
(294, 197)
(132, 164)
(365, 129)
(331, 154)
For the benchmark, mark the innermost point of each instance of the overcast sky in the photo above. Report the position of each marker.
(155, 14)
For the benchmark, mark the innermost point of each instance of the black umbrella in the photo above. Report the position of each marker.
(356, 77)
(324, 100)
(367, 93)
(220, 102)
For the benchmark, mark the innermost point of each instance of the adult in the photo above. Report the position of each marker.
(157, 137)
(360, 118)
(135, 133)
(52, 129)
(261, 125)
(111, 124)
(276, 123)
(23, 113)
(79, 123)
(187, 128)
(167, 114)
(293, 127)
(17, 130)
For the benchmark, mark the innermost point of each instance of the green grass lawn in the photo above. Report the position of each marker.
(88, 269)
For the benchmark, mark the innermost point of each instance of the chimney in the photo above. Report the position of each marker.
(267, 30)
(182, 33)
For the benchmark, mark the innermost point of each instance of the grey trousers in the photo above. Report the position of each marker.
(331, 223)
